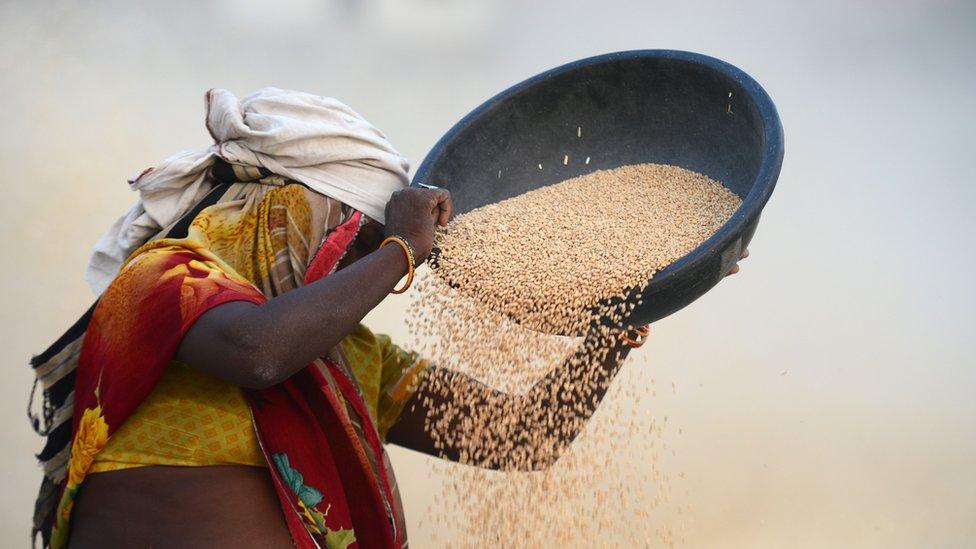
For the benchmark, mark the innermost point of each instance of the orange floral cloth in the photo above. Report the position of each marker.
(130, 342)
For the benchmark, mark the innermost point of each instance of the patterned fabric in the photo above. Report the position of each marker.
(190, 419)
(134, 331)
(55, 371)
(387, 374)
(193, 419)
(262, 242)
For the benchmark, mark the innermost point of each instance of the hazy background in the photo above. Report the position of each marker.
(826, 394)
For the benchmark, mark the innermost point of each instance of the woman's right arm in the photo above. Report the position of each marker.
(257, 346)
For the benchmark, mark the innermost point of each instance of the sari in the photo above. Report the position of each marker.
(317, 430)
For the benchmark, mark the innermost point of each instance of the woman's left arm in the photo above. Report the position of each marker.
(534, 428)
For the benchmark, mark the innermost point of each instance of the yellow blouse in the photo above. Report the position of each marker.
(195, 419)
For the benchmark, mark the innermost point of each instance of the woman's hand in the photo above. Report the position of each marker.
(414, 213)
(735, 268)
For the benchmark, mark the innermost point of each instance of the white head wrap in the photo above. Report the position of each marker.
(315, 140)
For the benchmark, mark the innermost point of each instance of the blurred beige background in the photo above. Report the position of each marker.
(825, 395)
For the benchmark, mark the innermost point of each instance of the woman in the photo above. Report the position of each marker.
(225, 392)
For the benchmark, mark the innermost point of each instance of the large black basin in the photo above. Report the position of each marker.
(663, 106)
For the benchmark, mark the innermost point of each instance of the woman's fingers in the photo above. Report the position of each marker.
(735, 268)
(446, 209)
(441, 209)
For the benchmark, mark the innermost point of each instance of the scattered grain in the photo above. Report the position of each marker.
(555, 261)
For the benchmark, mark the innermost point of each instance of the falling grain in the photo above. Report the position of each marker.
(555, 260)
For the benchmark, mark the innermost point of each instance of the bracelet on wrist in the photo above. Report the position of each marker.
(411, 261)
(639, 338)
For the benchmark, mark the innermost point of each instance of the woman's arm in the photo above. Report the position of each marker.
(532, 429)
(256, 346)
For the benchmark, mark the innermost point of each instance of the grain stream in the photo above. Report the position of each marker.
(510, 275)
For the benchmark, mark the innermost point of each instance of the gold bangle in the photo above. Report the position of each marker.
(408, 251)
